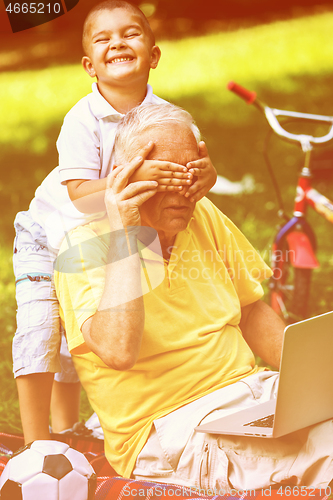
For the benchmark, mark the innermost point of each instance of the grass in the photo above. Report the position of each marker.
(270, 55)
(289, 64)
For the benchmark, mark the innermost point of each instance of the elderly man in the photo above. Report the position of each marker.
(162, 329)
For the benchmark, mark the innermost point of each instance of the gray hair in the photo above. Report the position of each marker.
(143, 118)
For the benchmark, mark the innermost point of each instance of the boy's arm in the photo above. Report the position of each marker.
(87, 195)
(204, 172)
(79, 145)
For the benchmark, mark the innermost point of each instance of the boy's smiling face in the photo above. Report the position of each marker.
(120, 52)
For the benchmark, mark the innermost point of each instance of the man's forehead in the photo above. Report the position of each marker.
(174, 143)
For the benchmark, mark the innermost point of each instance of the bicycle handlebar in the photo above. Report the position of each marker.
(248, 96)
(306, 141)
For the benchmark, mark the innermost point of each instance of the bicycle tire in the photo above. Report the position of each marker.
(290, 293)
(300, 305)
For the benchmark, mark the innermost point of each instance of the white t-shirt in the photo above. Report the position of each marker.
(85, 147)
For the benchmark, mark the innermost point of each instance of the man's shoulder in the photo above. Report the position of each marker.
(83, 249)
(92, 235)
(205, 209)
(209, 218)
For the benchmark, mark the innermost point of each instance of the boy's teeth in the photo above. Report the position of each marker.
(120, 59)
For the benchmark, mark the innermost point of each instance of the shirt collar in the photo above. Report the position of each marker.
(102, 109)
(102, 229)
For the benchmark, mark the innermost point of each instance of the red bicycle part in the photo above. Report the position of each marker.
(293, 262)
(300, 251)
(248, 95)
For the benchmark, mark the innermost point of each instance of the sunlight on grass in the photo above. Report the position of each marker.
(8, 400)
(7, 285)
(272, 54)
(36, 99)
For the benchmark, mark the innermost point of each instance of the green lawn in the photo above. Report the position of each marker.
(289, 64)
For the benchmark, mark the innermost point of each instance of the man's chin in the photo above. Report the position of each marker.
(177, 224)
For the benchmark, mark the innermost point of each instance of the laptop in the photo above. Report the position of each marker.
(304, 394)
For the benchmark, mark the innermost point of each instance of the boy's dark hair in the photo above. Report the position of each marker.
(112, 5)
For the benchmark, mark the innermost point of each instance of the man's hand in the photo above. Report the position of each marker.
(170, 176)
(123, 199)
(204, 175)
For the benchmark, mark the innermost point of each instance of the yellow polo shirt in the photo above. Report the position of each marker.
(192, 344)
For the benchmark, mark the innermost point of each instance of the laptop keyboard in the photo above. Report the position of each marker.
(262, 422)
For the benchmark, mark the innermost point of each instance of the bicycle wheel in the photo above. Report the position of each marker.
(290, 291)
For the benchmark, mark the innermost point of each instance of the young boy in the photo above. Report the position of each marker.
(119, 51)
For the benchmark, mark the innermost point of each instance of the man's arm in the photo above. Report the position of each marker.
(88, 195)
(263, 330)
(115, 331)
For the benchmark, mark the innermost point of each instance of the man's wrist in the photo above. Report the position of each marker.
(123, 243)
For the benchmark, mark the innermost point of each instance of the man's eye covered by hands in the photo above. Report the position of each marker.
(193, 180)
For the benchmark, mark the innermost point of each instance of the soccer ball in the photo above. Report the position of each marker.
(47, 470)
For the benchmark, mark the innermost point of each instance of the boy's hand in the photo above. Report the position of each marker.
(204, 172)
(170, 176)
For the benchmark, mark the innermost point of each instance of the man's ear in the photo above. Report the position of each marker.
(88, 66)
(155, 56)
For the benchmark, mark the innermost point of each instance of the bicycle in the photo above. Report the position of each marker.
(294, 246)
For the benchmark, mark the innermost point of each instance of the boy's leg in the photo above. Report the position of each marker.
(37, 339)
(66, 391)
(34, 392)
(65, 405)
(35, 400)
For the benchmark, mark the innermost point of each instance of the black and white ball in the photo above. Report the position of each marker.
(48, 470)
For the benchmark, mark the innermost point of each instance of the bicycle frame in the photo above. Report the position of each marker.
(297, 231)
(294, 246)
(307, 195)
